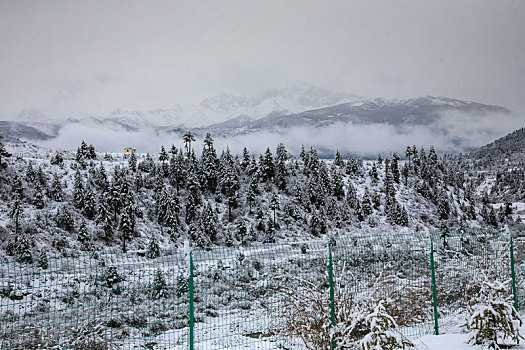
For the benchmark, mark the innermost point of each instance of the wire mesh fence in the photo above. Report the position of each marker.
(268, 296)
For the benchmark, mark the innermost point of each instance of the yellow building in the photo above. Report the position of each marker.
(130, 150)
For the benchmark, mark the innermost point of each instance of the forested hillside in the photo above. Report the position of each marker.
(62, 202)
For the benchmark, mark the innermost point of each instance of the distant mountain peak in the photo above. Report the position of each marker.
(31, 115)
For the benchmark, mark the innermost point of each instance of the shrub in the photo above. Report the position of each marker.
(494, 320)
(383, 333)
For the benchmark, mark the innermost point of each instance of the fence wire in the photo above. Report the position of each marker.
(265, 296)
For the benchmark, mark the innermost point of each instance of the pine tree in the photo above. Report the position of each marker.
(338, 159)
(43, 261)
(245, 159)
(159, 287)
(383, 332)
(15, 214)
(153, 250)
(494, 319)
(191, 208)
(269, 232)
(127, 217)
(230, 185)
(17, 188)
(23, 248)
(188, 138)
(337, 184)
(366, 206)
(38, 199)
(65, 220)
(163, 155)
(351, 196)
(443, 206)
(168, 212)
(3, 154)
(197, 236)
(394, 166)
(132, 162)
(408, 152)
(90, 206)
(209, 223)
(78, 191)
(373, 173)
(30, 173)
(281, 172)
(57, 159)
(267, 166)
(388, 186)
(210, 164)
(241, 231)
(405, 172)
(274, 205)
(251, 193)
(91, 153)
(84, 237)
(105, 216)
(315, 223)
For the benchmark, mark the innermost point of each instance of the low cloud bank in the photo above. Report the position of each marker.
(452, 133)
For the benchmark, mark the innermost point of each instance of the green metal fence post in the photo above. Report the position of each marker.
(332, 296)
(513, 274)
(434, 294)
(191, 316)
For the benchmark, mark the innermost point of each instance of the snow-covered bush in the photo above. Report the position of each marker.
(406, 298)
(306, 311)
(91, 336)
(494, 320)
(383, 334)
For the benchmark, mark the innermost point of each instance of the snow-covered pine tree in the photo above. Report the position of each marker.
(188, 138)
(274, 205)
(43, 261)
(105, 216)
(84, 237)
(163, 155)
(210, 164)
(366, 206)
(159, 287)
(241, 231)
(209, 223)
(494, 320)
(153, 250)
(338, 160)
(337, 184)
(269, 232)
(90, 206)
(17, 188)
(23, 248)
(38, 199)
(394, 166)
(267, 166)
(3, 154)
(383, 333)
(55, 192)
(132, 162)
(245, 162)
(78, 190)
(197, 235)
(15, 213)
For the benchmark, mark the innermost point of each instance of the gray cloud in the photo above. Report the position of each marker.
(55, 53)
(454, 132)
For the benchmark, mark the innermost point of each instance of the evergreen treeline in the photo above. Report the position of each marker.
(227, 199)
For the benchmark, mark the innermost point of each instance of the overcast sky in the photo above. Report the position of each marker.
(74, 58)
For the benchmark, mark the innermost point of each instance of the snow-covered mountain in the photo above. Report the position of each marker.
(451, 125)
(299, 114)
